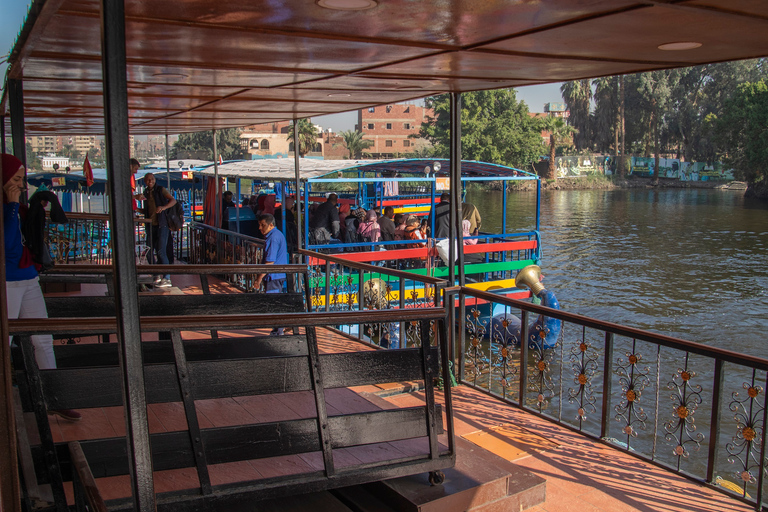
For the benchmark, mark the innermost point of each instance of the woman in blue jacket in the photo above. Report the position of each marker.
(24, 297)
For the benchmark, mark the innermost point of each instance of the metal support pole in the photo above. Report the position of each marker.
(455, 240)
(167, 164)
(297, 171)
(217, 190)
(16, 104)
(9, 469)
(121, 215)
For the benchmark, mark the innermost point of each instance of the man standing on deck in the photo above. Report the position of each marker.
(275, 253)
(324, 224)
(387, 225)
(442, 215)
(156, 201)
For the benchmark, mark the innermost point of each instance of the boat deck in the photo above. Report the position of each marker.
(581, 474)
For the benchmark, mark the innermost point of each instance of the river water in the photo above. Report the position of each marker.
(689, 263)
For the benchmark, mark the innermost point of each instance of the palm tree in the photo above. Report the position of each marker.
(308, 135)
(355, 143)
(578, 97)
(559, 134)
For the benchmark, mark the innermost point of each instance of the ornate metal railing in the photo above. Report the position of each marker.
(87, 238)
(336, 284)
(693, 409)
(210, 245)
(84, 238)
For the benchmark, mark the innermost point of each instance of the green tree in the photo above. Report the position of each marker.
(743, 131)
(308, 135)
(354, 142)
(227, 142)
(578, 98)
(656, 89)
(560, 134)
(33, 163)
(495, 128)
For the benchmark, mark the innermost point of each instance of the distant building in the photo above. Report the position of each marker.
(270, 140)
(49, 161)
(556, 110)
(390, 128)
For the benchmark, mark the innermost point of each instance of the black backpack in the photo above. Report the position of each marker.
(173, 215)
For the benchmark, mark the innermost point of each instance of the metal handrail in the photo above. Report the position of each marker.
(86, 269)
(693, 347)
(94, 325)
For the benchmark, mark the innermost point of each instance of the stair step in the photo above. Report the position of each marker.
(479, 482)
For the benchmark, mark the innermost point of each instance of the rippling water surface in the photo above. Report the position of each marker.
(684, 262)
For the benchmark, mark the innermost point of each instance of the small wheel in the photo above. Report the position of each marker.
(436, 477)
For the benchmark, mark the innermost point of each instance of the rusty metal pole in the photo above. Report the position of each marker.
(10, 500)
(299, 222)
(113, 61)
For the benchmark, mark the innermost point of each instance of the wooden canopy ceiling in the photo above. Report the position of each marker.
(200, 64)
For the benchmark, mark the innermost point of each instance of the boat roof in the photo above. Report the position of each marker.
(206, 64)
(283, 169)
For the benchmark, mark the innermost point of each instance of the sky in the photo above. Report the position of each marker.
(13, 12)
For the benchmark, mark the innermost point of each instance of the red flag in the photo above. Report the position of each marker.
(221, 160)
(87, 172)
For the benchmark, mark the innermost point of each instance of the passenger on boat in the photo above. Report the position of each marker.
(226, 204)
(413, 232)
(275, 253)
(370, 230)
(466, 227)
(325, 224)
(442, 216)
(156, 200)
(135, 164)
(470, 212)
(387, 224)
(22, 290)
(399, 226)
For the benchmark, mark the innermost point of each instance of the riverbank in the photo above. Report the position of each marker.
(602, 183)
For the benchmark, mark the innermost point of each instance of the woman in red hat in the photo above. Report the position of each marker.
(24, 297)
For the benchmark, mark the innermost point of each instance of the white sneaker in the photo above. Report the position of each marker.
(158, 279)
(164, 283)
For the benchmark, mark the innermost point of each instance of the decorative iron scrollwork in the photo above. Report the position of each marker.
(477, 362)
(584, 364)
(744, 450)
(686, 397)
(633, 380)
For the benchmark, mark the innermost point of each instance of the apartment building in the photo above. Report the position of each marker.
(391, 127)
(270, 140)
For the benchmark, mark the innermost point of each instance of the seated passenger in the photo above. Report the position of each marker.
(370, 231)
(466, 226)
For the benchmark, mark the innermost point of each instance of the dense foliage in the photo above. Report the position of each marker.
(227, 141)
(665, 113)
(495, 128)
(742, 131)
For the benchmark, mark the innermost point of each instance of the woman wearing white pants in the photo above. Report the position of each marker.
(23, 294)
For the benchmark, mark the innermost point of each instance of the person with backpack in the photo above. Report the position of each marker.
(157, 200)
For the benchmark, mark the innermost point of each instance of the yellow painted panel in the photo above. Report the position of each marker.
(412, 209)
(492, 285)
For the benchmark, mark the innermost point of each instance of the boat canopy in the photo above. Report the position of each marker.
(311, 169)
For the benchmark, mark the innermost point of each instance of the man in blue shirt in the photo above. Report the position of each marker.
(275, 253)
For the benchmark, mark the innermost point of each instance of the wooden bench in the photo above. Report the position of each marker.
(186, 371)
